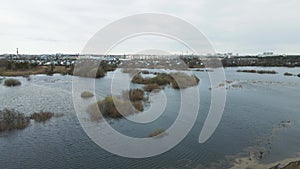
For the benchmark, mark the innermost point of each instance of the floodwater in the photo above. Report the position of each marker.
(262, 114)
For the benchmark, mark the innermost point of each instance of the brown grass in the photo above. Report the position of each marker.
(258, 71)
(111, 105)
(131, 71)
(182, 80)
(35, 70)
(133, 94)
(151, 87)
(288, 74)
(178, 80)
(157, 133)
(41, 116)
(11, 120)
(160, 79)
(93, 69)
(12, 82)
(86, 94)
(266, 72)
(247, 71)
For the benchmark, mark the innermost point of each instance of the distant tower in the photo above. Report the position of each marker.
(18, 51)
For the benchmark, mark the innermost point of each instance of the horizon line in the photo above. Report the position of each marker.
(182, 54)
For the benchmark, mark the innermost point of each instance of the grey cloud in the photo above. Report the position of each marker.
(232, 25)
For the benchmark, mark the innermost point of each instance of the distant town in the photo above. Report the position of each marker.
(193, 61)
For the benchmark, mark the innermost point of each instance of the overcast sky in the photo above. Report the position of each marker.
(65, 26)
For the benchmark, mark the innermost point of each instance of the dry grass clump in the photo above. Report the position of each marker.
(157, 133)
(131, 71)
(32, 70)
(145, 72)
(133, 94)
(12, 82)
(111, 106)
(11, 120)
(86, 94)
(99, 69)
(258, 71)
(182, 80)
(178, 80)
(84, 70)
(266, 72)
(41, 116)
(288, 74)
(247, 71)
(160, 79)
(151, 87)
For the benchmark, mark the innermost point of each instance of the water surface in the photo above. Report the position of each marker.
(250, 123)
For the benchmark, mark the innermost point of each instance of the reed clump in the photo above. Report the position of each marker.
(258, 71)
(178, 80)
(41, 116)
(11, 119)
(116, 107)
(86, 94)
(12, 82)
(151, 87)
(157, 133)
(288, 74)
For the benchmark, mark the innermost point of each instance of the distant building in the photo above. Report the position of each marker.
(265, 54)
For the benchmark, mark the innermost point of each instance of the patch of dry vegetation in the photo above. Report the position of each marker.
(111, 106)
(131, 71)
(12, 120)
(160, 79)
(266, 72)
(49, 70)
(182, 80)
(157, 133)
(247, 71)
(178, 80)
(258, 71)
(133, 94)
(288, 74)
(41, 116)
(151, 87)
(12, 82)
(99, 69)
(86, 94)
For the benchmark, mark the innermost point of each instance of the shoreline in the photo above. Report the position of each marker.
(35, 71)
(68, 70)
(246, 162)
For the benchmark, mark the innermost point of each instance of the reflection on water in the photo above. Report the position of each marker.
(252, 123)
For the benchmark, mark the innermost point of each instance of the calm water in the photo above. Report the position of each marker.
(251, 122)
